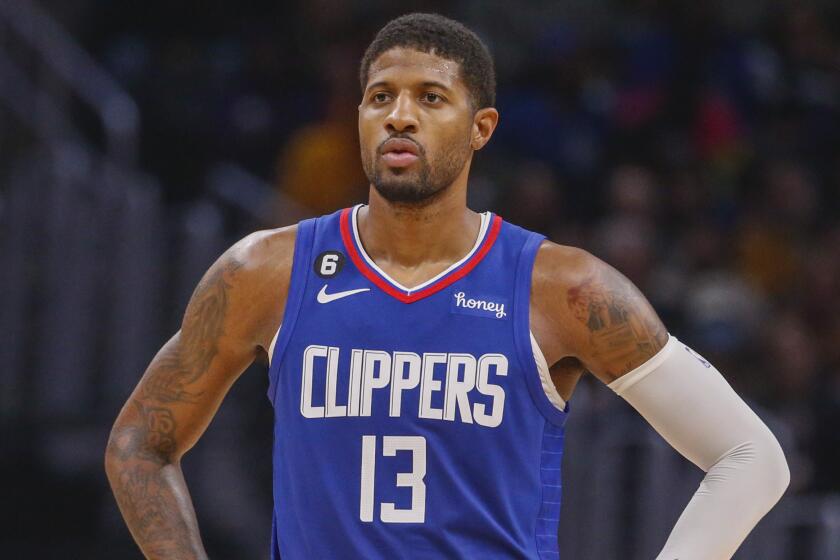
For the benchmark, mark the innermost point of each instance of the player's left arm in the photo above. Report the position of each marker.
(611, 328)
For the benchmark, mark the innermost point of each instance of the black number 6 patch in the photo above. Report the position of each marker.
(329, 263)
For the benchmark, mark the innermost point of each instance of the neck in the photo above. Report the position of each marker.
(407, 237)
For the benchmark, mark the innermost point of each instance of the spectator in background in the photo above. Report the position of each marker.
(319, 167)
(776, 232)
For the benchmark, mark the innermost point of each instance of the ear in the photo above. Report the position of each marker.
(484, 123)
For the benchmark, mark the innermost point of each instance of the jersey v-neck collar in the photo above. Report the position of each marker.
(487, 234)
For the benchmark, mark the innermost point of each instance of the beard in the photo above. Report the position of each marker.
(419, 184)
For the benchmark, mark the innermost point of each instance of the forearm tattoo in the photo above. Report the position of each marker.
(145, 496)
(624, 330)
(152, 513)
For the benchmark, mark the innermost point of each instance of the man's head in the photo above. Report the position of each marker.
(428, 89)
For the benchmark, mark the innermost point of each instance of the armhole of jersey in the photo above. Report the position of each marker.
(297, 284)
(273, 342)
(545, 376)
(528, 352)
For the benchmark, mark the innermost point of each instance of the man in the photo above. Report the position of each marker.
(416, 412)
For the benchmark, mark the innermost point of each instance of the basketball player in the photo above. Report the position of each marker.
(422, 356)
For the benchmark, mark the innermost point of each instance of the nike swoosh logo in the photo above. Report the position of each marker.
(324, 297)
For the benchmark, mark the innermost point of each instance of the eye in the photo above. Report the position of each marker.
(432, 97)
(380, 97)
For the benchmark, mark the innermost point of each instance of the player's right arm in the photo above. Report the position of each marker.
(229, 320)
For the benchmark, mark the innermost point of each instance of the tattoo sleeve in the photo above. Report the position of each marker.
(181, 365)
(623, 328)
(149, 489)
(143, 453)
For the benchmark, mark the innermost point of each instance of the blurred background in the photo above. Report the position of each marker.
(693, 145)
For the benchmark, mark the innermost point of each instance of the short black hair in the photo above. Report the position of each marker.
(449, 39)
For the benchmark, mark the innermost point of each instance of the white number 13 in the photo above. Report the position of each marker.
(414, 479)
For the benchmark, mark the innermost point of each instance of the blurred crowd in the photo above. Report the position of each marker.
(695, 146)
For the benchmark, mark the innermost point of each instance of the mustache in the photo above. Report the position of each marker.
(420, 148)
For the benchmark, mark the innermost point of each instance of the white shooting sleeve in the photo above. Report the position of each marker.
(692, 406)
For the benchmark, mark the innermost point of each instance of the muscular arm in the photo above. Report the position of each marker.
(230, 316)
(587, 316)
(595, 315)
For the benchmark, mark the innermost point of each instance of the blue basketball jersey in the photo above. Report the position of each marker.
(411, 423)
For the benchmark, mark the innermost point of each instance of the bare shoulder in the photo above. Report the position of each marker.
(593, 311)
(265, 253)
(252, 278)
(258, 261)
(562, 264)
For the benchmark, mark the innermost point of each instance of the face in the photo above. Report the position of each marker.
(416, 125)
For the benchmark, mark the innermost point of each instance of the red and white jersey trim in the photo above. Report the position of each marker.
(488, 232)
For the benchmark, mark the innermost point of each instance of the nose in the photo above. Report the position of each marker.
(402, 117)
